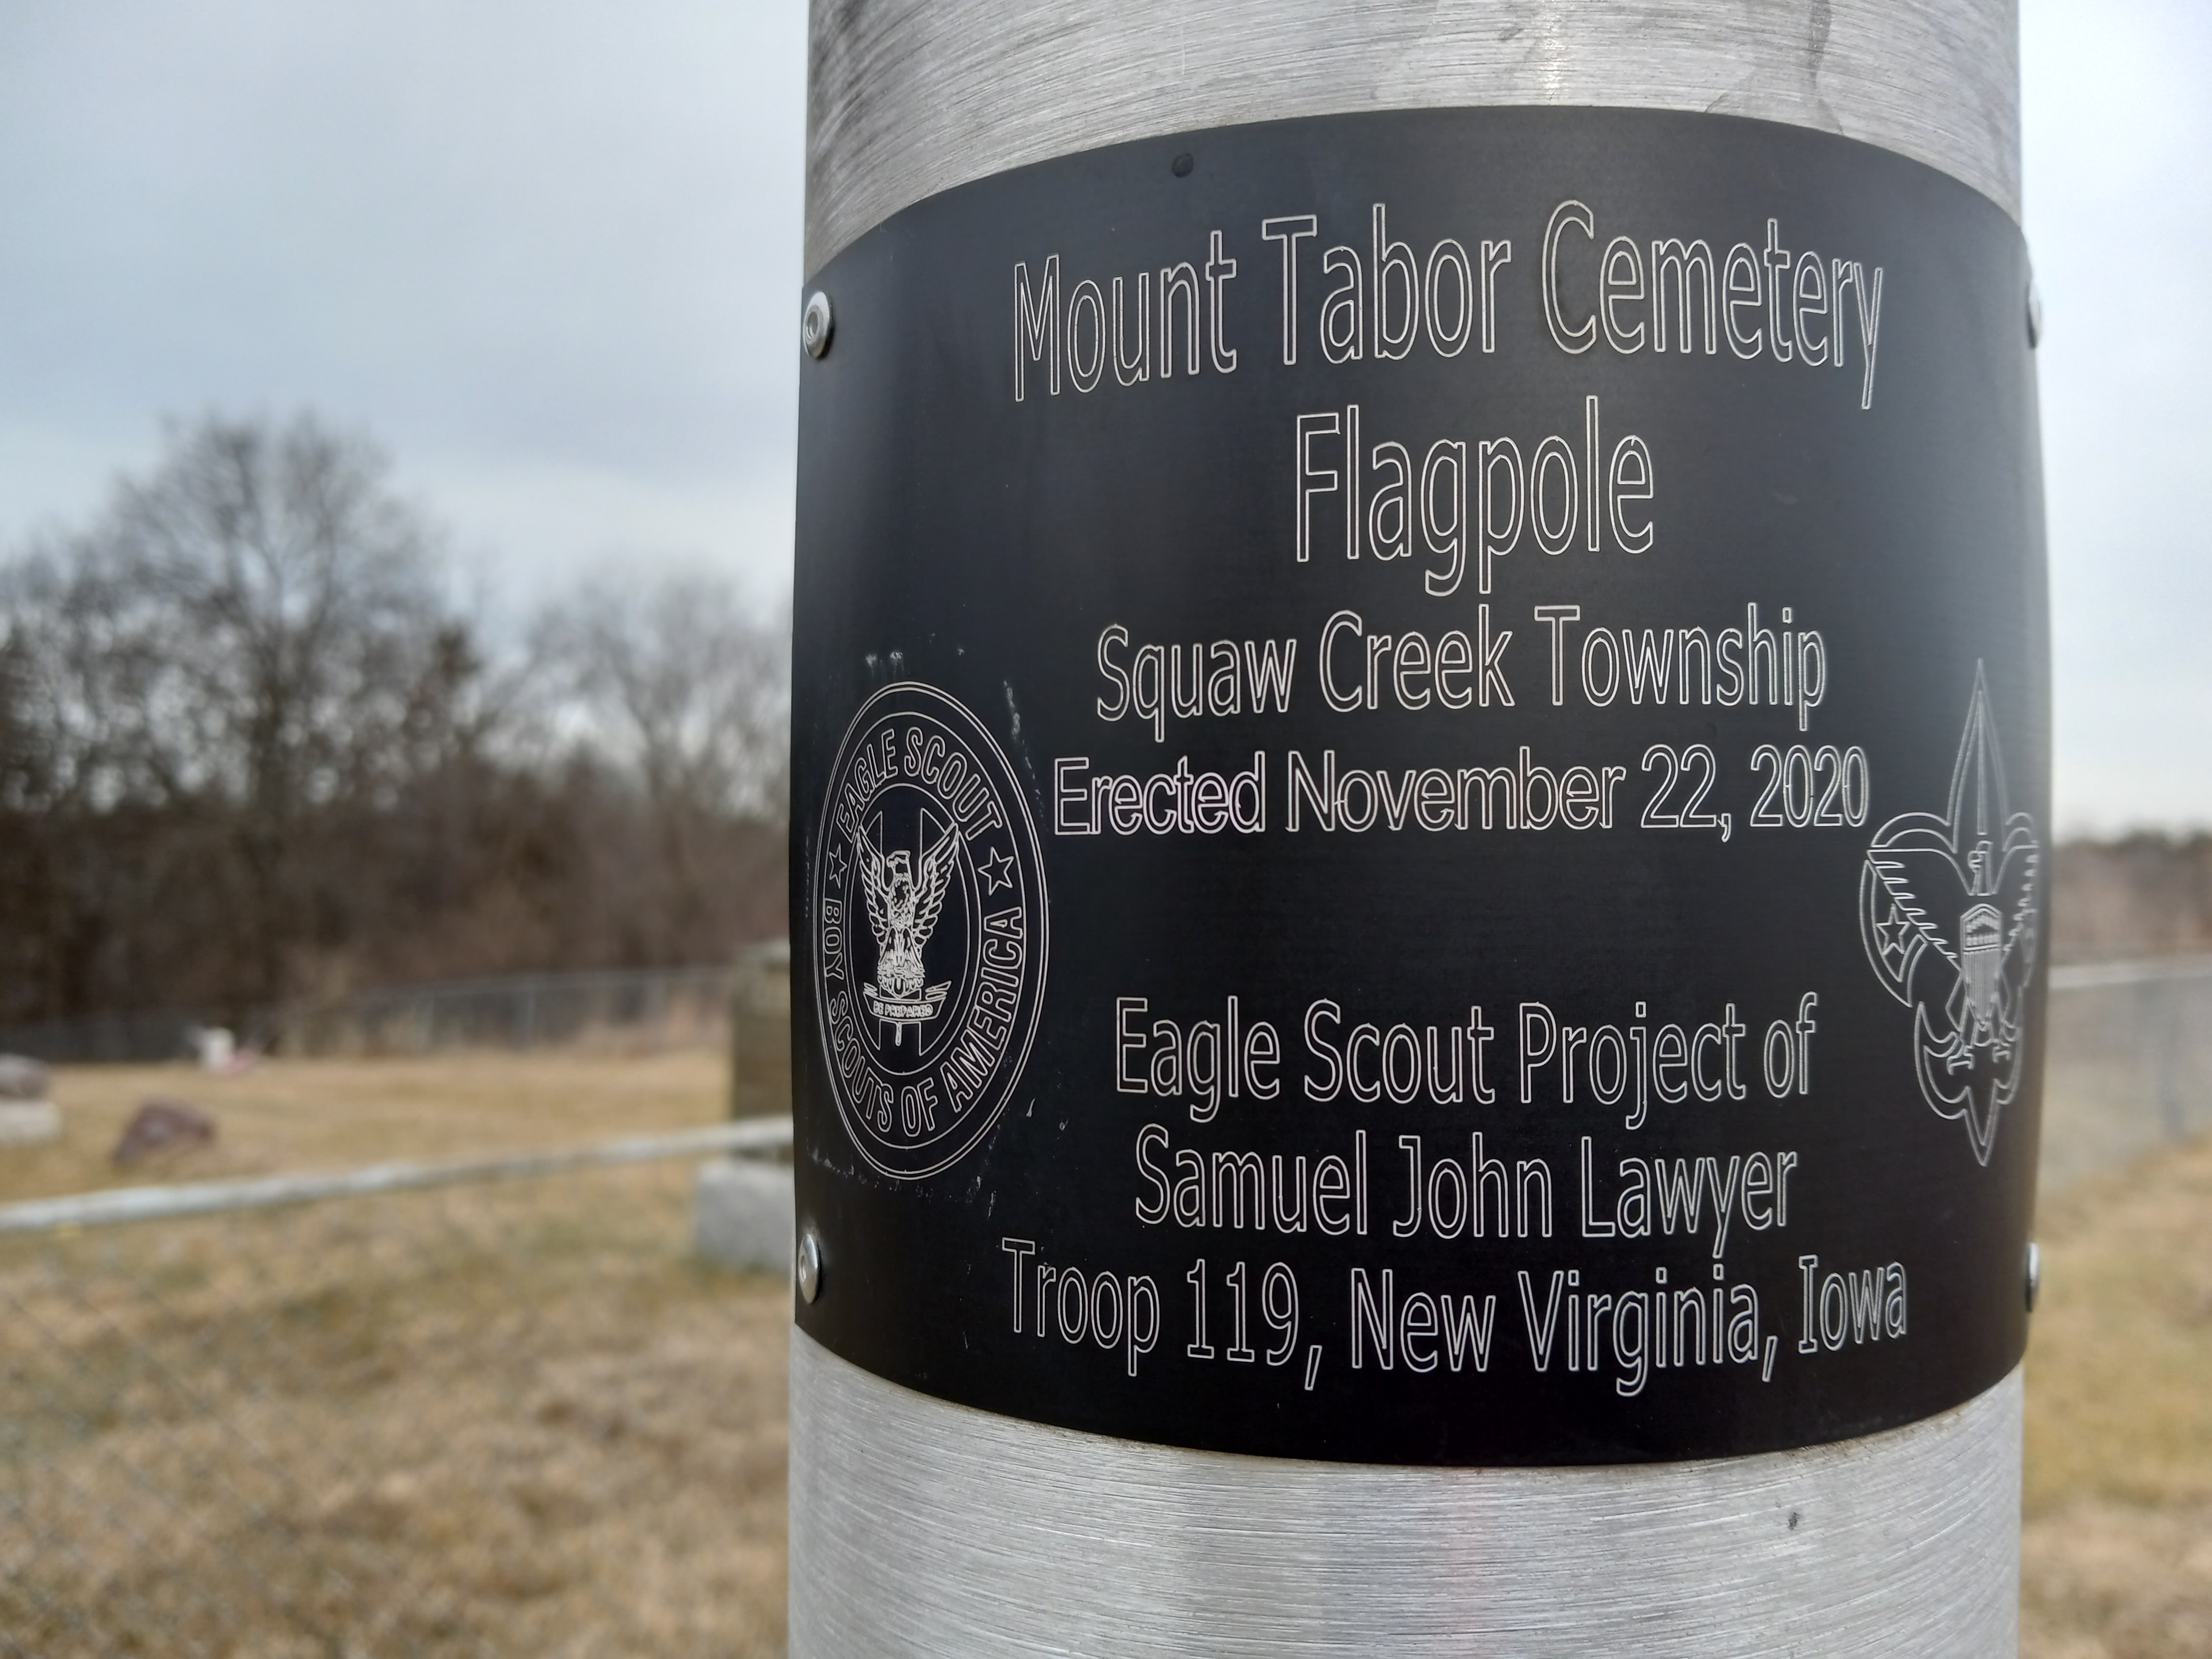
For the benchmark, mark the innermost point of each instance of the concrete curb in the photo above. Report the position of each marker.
(742, 1214)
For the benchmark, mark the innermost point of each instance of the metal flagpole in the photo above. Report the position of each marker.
(1420, 754)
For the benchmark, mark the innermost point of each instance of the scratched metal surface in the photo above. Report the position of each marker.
(909, 97)
(928, 1529)
(924, 1528)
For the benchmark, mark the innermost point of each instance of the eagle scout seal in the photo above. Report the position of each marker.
(929, 914)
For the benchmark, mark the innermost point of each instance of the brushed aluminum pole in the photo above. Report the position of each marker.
(921, 1527)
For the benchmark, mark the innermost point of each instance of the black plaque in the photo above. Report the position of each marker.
(1446, 868)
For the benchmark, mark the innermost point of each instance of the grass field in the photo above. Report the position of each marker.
(515, 1418)
(334, 1113)
(520, 1420)
(2117, 1546)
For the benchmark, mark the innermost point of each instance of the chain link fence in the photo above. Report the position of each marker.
(2128, 1064)
(659, 1007)
(646, 1008)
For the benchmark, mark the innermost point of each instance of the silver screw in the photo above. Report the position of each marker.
(2035, 1274)
(814, 328)
(2034, 314)
(809, 1266)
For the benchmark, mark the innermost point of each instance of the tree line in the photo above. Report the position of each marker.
(253, 750)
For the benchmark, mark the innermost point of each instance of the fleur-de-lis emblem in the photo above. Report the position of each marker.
(1949, 911)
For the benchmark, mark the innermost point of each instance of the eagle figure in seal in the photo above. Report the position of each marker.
(904, 897)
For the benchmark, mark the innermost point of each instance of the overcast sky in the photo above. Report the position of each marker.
(548, 255)
(545, 253)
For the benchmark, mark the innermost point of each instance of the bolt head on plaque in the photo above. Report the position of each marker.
(2035, 1274)
(809, 1266)
(815, 324)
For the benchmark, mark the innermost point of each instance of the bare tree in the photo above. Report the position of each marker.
(249, 750)
(688, 690)
(250, 638)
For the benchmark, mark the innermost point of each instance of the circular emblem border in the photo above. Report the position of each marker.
(1029, 856)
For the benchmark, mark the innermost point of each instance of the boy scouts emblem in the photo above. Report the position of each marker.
(1948, 910)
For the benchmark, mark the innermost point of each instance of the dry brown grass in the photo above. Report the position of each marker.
(508, 1419)
(520, 1419)
(2117, 1546)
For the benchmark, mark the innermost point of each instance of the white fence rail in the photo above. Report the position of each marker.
(168, 1203)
